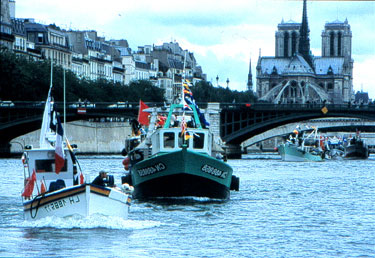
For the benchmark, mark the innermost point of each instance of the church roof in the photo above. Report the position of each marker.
(337, 21)
(298, 65)
(322, 64)
(295, 65)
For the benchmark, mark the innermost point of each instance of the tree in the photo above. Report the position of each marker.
(28, 80)
(204, 92)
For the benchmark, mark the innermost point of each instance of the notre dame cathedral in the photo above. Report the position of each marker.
(294, 75)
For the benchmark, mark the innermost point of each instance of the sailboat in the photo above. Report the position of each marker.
(52, 184)
(177, 157)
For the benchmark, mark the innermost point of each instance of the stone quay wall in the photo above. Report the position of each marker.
(90, 137)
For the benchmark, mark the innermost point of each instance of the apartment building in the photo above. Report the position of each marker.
(92, 57)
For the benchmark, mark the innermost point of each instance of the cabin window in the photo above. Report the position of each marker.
(198, 141)
(169, 140)
(47, 166)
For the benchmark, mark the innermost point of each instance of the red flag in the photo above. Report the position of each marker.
(59, 152)
(81, 178)
(29, 187)
(42, 187)
(143, 116)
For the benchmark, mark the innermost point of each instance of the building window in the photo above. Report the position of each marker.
(332, 44)
(286, 44)
(294, 42)
(339, 37)
(40, 37)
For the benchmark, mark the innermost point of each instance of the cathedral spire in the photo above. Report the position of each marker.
(250, 79)
(304, 41)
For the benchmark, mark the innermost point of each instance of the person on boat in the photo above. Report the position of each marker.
(101, 179)
(75, 175)
(174, 122)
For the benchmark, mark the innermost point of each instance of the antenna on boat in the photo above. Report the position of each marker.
(64, 132)
(51, 80)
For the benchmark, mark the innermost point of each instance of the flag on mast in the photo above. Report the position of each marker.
(142, 115)
(59, 152)
(43, 139)
(29, 187)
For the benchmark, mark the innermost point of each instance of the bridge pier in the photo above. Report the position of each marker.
(4, 148)
(233, 151)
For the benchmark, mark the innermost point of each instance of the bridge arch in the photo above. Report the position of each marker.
(324, 125)
(239, 123)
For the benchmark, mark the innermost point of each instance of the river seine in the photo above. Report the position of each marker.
(283, 209)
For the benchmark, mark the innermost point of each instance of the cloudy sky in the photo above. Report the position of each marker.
(223, 35)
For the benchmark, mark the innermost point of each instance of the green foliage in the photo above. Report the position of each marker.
(204, 92)
(28, 80)
(22, 79)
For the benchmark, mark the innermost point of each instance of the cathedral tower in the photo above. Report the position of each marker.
(286, 38)
(337, 40)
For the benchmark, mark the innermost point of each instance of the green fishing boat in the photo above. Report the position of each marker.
(179, 160)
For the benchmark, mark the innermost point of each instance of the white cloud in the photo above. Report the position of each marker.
(364, 75)
(222, 34)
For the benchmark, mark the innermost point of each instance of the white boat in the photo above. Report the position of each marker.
(52, 189)
(62, 198)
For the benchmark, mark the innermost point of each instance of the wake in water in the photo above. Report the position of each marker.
(91, 222)
(187, 200)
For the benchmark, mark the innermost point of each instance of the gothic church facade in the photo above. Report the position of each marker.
(295, 76)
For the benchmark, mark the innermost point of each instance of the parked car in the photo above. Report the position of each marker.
(120, 105)
(6, 103)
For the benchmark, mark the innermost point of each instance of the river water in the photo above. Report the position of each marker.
(283, 209)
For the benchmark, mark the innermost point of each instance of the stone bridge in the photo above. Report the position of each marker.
(232, 124)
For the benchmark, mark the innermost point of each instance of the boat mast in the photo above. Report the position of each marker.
(183, 124)
(183, 81)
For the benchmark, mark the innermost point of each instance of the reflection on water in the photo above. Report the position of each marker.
(283, 209)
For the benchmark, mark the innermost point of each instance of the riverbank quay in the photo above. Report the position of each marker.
(91, 138)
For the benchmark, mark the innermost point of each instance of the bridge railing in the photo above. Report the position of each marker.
(301, 107)
(135, 105)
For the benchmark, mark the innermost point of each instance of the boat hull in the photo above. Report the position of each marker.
(83, 200)
(181, 173)
(356, 151)
(293, 153)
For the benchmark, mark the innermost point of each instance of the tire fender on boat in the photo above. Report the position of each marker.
(126, 162)
(235, 183)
